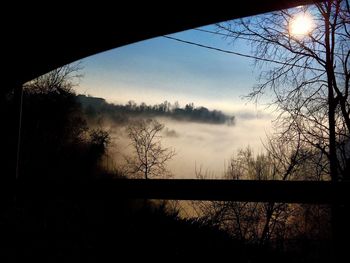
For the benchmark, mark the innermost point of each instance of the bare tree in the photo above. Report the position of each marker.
(60, 80)
(309, 74)
(257, 222)
(261, 223)
(150, 157)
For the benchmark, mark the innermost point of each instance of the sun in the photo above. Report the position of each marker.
(301, 25)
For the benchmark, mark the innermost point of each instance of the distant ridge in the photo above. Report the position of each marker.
(94, 107)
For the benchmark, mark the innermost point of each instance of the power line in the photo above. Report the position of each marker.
(236, 53)
(244, 55)
(244, 38)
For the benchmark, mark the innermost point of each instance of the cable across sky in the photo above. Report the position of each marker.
(244, 55)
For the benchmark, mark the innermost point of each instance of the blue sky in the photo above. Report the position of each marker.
(160, 69)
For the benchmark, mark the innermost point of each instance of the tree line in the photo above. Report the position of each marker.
(121, 113)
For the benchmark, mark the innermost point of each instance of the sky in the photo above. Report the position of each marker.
(160, 69)
(163, 69)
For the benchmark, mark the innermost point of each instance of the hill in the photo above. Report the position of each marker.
(94, 107)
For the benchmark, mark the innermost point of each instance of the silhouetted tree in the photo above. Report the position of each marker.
(268, 224)
(98, 143)
(150, 157)
(56, 142)
(309, 74)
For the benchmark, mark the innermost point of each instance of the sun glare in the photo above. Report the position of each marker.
(301, 25)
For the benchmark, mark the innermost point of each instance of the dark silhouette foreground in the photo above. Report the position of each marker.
(43, 222)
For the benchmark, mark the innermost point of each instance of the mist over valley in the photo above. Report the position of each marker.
(204, 140)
